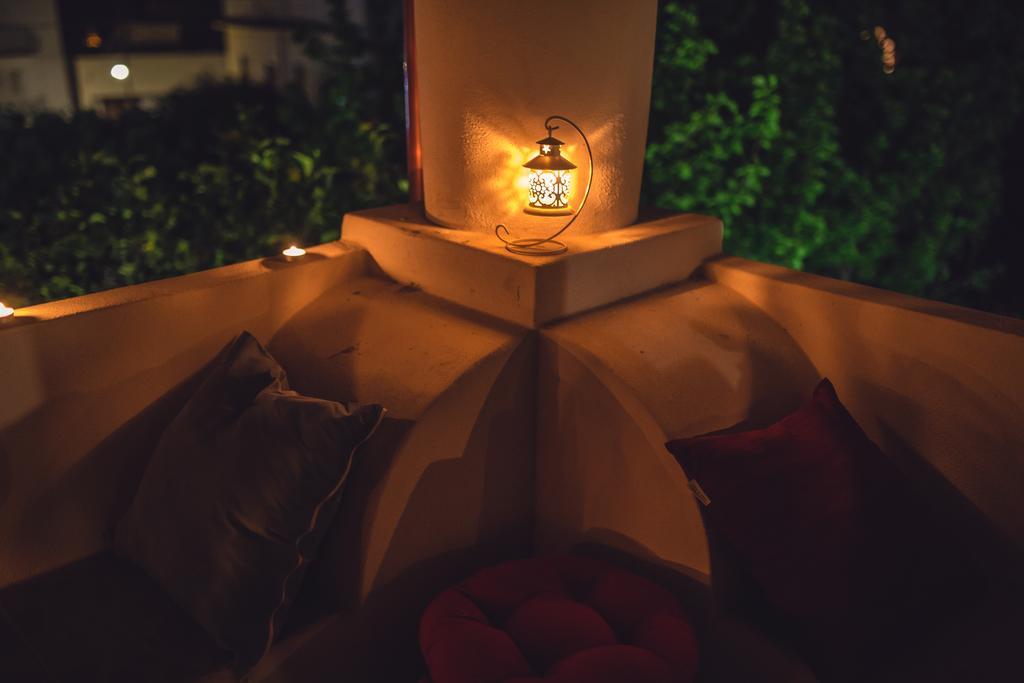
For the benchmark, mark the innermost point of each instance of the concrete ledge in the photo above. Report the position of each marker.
(331, 262)
(474, 270)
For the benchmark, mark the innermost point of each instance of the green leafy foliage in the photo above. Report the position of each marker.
(214, 175)
(774, 114)
(778, 117)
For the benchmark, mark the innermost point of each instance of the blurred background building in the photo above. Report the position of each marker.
(108, 55)
(260, 40)
(127, 54)
(33, 66)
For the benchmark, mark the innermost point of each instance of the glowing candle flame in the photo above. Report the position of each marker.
(294, 252)
(5, 311)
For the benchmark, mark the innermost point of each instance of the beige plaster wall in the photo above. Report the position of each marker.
(617, 383)
(89, 383)
(935, 385)
(476, 271)
(434, 499)
(92, 381)
(491, 72)
(455, 476)
(443, 488)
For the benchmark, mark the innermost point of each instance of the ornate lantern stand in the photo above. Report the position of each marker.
(550, 183)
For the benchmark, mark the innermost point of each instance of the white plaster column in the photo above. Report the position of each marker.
(491, 72)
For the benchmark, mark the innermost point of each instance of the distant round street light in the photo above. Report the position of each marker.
(119, 71)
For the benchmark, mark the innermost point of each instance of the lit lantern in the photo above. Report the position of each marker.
(549, 187)
(550, 179)
(5, 311)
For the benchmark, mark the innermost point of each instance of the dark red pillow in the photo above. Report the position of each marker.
(557, 620)
(821, 521)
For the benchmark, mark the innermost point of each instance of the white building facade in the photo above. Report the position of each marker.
(150, 75)
(33, 70)
(260, 44)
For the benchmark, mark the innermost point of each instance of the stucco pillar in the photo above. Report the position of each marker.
(491, 72)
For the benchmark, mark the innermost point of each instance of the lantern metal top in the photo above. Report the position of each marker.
(550, 157)
(549, 162)
(550, 140)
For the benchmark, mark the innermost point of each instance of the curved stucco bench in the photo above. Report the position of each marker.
(441, 490)
(436, 496)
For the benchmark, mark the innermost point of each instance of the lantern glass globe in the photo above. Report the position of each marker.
(551, 179)
(549, 192)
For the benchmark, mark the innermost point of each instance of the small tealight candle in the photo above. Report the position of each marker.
(5, 311)
(293, 252)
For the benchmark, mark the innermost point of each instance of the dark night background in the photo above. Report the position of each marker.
(781, 116)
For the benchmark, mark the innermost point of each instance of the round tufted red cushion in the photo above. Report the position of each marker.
(557, 620)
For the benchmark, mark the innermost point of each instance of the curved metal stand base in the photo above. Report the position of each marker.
(549, 246)
(532, 248)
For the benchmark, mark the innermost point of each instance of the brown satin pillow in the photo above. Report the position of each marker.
(239, 494)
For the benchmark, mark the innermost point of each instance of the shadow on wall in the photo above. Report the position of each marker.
(22, 369)
(780, 378)
(933, 384)
(621, 380)
(970, 530)
(495, 464)
(466, 511)
(322, 364)
(74, 515)
(700, 358)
